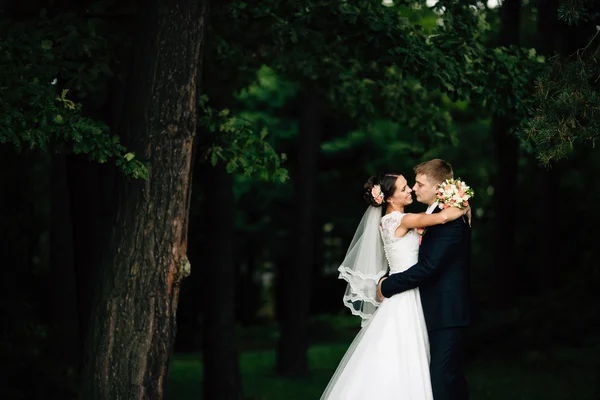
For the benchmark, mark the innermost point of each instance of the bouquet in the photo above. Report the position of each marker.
(454, 193)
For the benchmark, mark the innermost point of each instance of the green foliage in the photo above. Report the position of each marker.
(372, 62)
(509, 81)
(566, 108)
(573, 11)
(43, 60)
(367, 60)
(244, 149)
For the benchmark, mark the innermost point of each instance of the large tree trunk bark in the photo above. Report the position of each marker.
(222, 378)
(132, 328)
(295, 276)
(507, 156)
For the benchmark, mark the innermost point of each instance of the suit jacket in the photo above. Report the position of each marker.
(442, 274)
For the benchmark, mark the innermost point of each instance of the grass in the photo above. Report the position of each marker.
(560, 374)
(260, 383)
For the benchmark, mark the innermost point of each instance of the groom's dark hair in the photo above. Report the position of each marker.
(437, 170)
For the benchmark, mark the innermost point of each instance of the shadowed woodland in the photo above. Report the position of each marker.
(181, 179)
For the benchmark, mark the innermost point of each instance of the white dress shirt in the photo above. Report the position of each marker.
(431, 208)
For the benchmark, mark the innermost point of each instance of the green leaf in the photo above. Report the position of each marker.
(263, 133)
(46, 44)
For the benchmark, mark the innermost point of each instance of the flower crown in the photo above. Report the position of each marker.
(377, 194)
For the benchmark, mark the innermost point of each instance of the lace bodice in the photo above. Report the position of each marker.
(401, 252)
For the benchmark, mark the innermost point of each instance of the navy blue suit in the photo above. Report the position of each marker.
(442, 275)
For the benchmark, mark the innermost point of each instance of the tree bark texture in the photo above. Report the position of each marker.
(132, 326)
(222, 378)
(507, 156)
(296, 275)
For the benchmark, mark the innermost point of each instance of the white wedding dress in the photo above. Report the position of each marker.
(389, 358)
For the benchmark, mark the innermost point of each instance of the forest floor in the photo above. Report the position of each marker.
(559, 373)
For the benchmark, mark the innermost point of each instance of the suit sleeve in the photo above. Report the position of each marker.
(431, 262)
(387, 274)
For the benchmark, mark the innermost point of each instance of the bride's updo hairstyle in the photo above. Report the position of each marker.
(387, 184)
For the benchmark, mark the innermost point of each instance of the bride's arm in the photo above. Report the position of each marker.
(422, 220)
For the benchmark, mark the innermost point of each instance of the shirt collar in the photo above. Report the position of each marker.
(432, 207)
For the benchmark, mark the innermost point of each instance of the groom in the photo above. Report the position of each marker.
(442, 275)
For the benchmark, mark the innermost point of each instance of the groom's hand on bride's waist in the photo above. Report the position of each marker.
(379, 294)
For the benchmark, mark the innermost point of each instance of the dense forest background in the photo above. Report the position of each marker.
(181, 179)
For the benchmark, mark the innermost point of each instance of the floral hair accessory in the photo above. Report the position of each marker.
(377, 194)
(454, 193)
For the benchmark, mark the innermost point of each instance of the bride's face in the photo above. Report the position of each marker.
(403, 194)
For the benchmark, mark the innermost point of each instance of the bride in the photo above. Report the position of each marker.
(389, 358)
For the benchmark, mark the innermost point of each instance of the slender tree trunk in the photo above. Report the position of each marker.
(19, 237)
(87, 214)
(507, 156)
(62, 289)
(132, 329)
(248, 302)
(296, 276)
(219, 351)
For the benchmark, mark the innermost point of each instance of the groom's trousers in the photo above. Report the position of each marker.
(447, 364)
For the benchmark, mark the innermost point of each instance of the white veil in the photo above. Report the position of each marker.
(365, 263)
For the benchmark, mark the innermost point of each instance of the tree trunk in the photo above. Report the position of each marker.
(248, 301)
(219, 351)
(62, 291)
(132, 329)
(19, 240)
(295, 276)
(507, 157)
(89, 219)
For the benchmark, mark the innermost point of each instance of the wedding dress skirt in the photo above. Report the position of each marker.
(389, 358)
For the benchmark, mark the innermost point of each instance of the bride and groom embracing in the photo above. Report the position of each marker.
(412, 343)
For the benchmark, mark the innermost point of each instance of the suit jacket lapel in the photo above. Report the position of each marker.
(435, 211)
